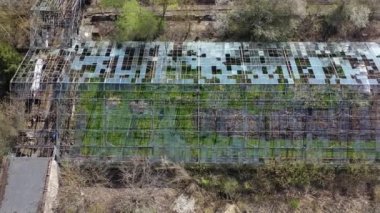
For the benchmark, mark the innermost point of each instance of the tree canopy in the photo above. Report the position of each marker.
(136, 22)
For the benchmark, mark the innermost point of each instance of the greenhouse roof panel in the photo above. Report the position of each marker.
(225, 63)
(229, 63)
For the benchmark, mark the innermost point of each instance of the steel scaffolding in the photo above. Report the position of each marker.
(54, 23)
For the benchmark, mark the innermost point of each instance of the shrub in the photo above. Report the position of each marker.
(264, 20)
(230, 187)
(137, 23)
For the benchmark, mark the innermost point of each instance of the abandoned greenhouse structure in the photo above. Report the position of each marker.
(204, 102)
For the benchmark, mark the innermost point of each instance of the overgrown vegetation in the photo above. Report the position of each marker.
(11, 114)
(14, 22)
(259, 20)
(347, 20)
(137, 23)
(278, 20)
(211, 132)
(9, 61)
(12, 121)
(274, 178)
(136, 174)
(264, 20)
(211, 186)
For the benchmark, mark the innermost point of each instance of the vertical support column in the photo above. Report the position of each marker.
(198, 93)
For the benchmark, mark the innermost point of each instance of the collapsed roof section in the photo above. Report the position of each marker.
(39, 69)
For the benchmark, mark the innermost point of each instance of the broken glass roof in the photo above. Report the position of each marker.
(225, 63)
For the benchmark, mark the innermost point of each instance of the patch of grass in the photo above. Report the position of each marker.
(294, 203)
